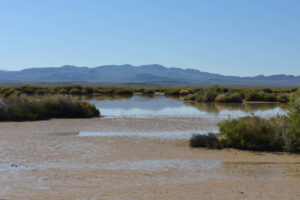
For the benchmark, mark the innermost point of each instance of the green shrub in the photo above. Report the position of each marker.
(21, 108)
(190, 97)
(268, 90)
(215, 88)
(207, 141)
(139, 90)
(225, 90)
(73, 86)
(124, 91)
(256, 133)
(228, 98)
(172, 92)
(261, 96)
(62, 91)
(40, 91)
(294, 120)
(281, 133)
(270, 97)
(283, 98)
(27, 89)
(107, 91)
(149, 92)
(87, 90)
(7, 91)
(184, 92)
(255, 96)
(207, 96)
(75, 91)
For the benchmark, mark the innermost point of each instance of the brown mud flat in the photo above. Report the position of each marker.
(47, 160)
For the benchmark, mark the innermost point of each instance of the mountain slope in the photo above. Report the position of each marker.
(145, 74)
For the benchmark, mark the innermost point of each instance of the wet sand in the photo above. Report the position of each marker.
(47, 160)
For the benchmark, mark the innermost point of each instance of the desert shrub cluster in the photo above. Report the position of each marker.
(255, 133)
(280, 133)
(23, 108)
(199, 94)
(206, 141)
(238, 95)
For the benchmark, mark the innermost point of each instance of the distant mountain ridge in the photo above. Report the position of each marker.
(143, 75)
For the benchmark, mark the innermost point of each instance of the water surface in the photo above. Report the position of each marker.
(141, 107)
(151, 134)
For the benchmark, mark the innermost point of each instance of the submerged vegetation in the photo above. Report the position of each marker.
(23, 108)
(280, 133)
(199, 94)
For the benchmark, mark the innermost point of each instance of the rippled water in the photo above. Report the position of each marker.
(141, 107)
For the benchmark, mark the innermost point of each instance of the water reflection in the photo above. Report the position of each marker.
(151, 134)
(166, 107)
(246, 107)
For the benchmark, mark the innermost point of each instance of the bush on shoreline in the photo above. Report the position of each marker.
(206, 141)
(207, 96)
(254, 133)
(228, 98)
(24, 108)
(280, 133)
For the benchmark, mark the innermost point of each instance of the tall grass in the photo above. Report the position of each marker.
(22, 108)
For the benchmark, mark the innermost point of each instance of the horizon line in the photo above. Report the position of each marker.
(183, 68)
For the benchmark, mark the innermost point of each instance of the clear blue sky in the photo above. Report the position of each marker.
(231, 37)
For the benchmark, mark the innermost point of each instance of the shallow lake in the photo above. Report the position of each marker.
(142, 107)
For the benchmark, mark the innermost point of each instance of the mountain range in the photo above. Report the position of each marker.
(155, 75)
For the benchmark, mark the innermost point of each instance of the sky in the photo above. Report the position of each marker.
(230, 37)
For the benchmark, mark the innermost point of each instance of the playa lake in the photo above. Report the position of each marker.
(140, 146)
(161, 106)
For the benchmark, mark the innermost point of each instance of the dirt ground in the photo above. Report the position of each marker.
(48, 160)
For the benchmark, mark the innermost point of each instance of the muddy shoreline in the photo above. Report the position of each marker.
(47, 160)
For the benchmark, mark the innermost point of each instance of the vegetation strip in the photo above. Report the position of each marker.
(200, 94)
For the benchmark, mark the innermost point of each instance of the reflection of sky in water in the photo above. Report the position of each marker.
(167, 107)
(151, 134)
